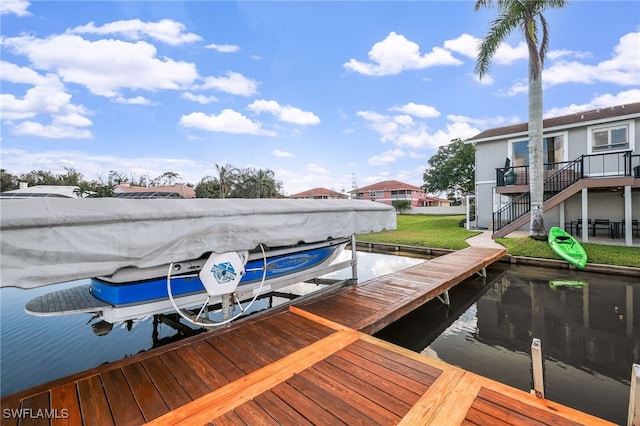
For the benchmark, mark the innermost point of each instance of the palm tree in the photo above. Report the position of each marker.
(527, 16)
(264, 183)
(226, 176)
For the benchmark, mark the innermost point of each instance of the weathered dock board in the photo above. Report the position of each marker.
(297, 366)
(372, 305)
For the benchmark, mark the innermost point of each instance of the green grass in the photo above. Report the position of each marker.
(425, 231)
(443, 232)
(596, 253)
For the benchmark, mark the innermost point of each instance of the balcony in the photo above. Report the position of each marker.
(557, 176)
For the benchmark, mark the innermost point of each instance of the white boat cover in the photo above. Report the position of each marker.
(50, 240)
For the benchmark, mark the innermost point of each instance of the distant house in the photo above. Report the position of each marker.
(126, 190)
(591, 172)
(319, 194)
(390, 190)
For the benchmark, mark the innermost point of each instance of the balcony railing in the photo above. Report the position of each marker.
(592, 165)
(558, 177)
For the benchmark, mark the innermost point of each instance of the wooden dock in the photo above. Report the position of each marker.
(308, 364)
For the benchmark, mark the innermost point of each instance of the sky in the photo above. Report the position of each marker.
(333, 94)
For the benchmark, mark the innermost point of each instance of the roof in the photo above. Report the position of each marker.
(571, 120)
(315, 192)
(388, 185)
(184, 191)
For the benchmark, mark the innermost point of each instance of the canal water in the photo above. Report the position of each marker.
(589, 325)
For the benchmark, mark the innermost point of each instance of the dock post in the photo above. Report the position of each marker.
(634, 397)
(354, 260)
(536, 362)
(226, 306)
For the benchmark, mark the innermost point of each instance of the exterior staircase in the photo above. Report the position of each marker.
(559, 185)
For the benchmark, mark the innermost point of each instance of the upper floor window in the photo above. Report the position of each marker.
(613, 138)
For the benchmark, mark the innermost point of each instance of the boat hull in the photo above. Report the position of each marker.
(156, 289)
(567, 247)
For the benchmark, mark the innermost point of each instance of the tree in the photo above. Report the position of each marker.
(527, 16)
(167, 178)
(401, 205)
(209, 187)
(226, 178)
(264, 183)
(451, 169)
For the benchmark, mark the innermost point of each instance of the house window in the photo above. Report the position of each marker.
(552, 151)
(610, 138)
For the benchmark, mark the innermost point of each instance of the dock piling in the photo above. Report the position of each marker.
(536, 361)
(634, 397)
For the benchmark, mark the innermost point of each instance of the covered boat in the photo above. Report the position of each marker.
(130, 248)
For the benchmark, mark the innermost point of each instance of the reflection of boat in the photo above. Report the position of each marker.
(154, 255)
(554, 284)
(567, 247)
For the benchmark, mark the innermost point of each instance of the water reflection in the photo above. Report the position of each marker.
(590, 335)
(36, 350)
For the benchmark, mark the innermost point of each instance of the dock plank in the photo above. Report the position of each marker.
(227, 369)
(374, 411)
(280, 410)
(306, 407)
(389, 402)
(253, 414)
(65, 398)
(32, 405)
(186, 376)
(122, 403)
(94, 403)
(172, 392)
(317, 391)
(144, 391)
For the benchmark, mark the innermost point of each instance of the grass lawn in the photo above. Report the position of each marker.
(425, 231)
(444, 232)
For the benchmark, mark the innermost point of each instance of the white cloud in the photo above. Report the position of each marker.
(622, 69)
(422, 111)
(234, 83)
(137, 100)
(600, 101)
(506, 55)
(223, 48)
(465, 44)
(283, 154)
(316, 168)
(166, 30)
(17, 7)
(403, 131)
(47, 99)
(285, 113)
(201, 99)
(55, 130)
(396, 54)
(228, 121)
(386, 157)
(104, 67)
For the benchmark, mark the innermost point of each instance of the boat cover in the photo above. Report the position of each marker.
(50, 240)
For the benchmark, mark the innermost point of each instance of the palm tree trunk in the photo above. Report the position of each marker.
(536, 172)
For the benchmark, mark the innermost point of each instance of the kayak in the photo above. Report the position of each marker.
(555, 284)
(567, 247)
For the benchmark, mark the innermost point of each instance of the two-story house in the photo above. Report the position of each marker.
(390, 190)
(591, 172)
